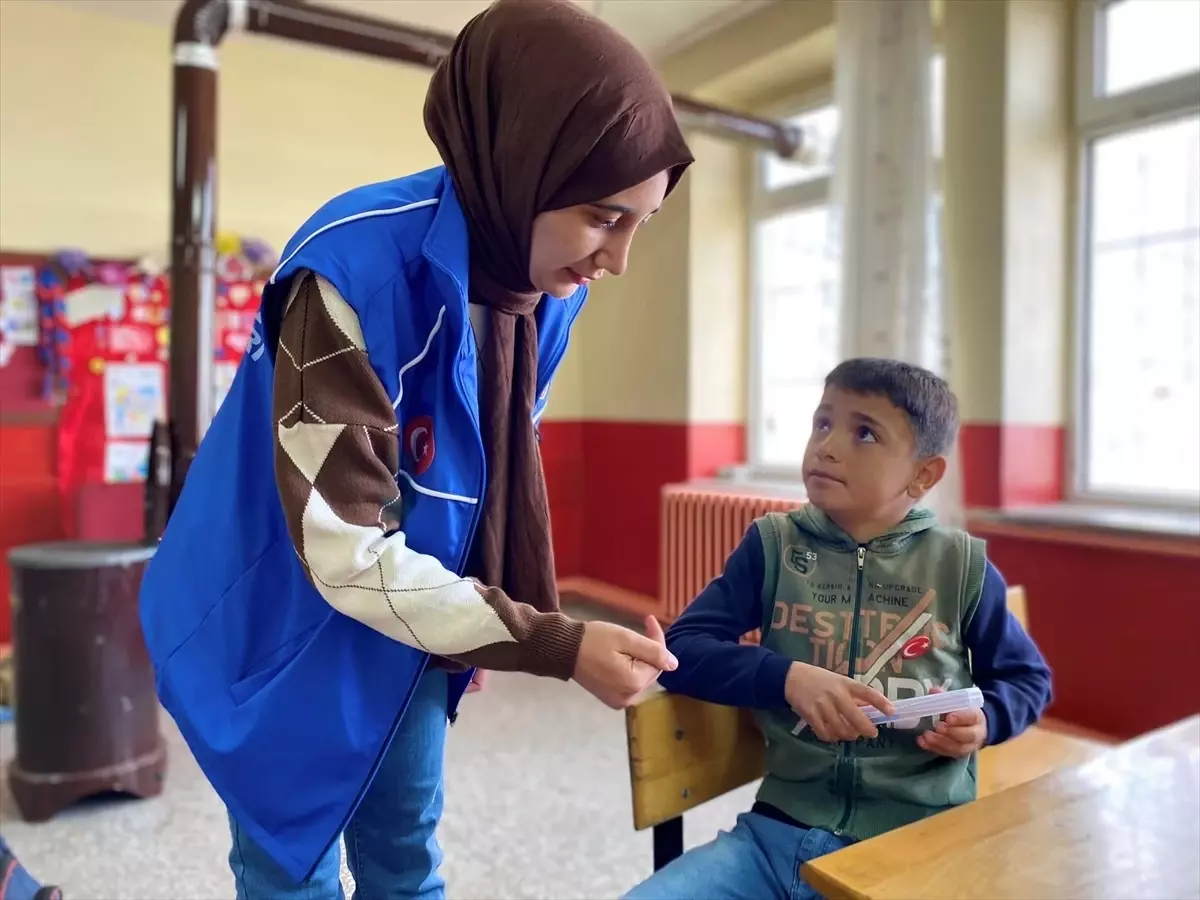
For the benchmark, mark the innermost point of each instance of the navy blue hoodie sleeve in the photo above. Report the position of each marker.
(1006, 665)
(713, 666)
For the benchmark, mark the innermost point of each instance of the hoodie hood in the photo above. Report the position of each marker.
(812, 520)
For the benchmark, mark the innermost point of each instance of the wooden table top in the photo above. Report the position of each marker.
(1124, 825)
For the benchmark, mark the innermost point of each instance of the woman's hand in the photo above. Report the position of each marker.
(616, 665)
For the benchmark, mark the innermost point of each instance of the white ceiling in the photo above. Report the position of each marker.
(657, 27)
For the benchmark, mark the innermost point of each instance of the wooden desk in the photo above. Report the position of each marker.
(1124, 825)
(1039, 751)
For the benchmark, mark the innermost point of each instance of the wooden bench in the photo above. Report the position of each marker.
(684, 752)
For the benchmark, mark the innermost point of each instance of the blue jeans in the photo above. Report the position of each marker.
(391, 844)
(759, 859)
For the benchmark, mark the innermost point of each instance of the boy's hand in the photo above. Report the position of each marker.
(958, 734)
(830, 702)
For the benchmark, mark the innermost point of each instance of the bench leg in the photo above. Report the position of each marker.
(668, 842)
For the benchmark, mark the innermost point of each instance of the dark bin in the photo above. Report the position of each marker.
(85, 708)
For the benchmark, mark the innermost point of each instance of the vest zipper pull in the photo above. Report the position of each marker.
(862, 556)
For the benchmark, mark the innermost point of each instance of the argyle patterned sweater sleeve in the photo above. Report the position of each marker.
(337, 454)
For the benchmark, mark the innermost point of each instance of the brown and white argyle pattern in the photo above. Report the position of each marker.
(336, 461)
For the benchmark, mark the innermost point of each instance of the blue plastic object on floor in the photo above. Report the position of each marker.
(17, 884)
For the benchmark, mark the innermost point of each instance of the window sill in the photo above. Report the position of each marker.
(1129, 529)
(782, 483)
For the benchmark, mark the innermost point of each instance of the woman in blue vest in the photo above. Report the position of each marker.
(365, 524)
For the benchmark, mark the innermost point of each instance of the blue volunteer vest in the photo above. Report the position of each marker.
(288, 705)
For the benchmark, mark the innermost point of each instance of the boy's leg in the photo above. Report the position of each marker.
(258, 877)
(737, 865)
(391, 843)
(815, 843)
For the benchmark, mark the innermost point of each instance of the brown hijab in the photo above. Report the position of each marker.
(538, 106)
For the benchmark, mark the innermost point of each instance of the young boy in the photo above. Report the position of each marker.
(857, 581)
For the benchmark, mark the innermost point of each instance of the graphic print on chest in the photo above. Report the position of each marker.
(894, 648)
(887, 638)
(800, 560)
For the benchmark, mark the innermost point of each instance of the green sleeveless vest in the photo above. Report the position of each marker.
(893, 612)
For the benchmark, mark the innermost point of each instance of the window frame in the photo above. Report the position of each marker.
(1096, 117)
(765, 204)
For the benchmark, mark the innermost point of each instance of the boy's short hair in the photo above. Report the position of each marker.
(926, 399)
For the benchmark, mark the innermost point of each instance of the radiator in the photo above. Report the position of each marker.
(701, 525)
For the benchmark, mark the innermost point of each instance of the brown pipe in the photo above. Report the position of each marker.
(300, 21)
(200, 26)
(782, 138)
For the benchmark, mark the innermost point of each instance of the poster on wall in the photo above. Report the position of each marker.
(115, 351)
(133, 399)
(110, 341)
(237, 305)
(126, 461)
(18, 310)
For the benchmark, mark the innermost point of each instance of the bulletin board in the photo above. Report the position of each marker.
(22, 399)
(90, 339)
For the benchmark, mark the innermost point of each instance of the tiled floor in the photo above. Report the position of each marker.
(508, 832)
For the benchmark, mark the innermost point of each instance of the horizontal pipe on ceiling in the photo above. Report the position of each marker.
(206, 23)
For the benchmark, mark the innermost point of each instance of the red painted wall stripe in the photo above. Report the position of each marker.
(1006, 466)
(1111, 623)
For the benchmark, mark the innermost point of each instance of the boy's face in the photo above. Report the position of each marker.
(861, 465)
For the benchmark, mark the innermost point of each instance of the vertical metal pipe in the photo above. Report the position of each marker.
(193, 269)
(199, 27)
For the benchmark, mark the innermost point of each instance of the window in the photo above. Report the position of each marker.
(795, 291)
(1137, 435)
(1147, 41)
(797, 296)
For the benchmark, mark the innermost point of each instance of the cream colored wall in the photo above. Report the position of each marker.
(973, 182)
(85, 144)
(633, 334)
(566, 396)
(84, 141)
(85, 131)
(718, 338)
(752, 55)
(666, 342)
(1038, 239)
(1007, 183)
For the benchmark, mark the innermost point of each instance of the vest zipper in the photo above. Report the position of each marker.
(473, 411)
(845, 766)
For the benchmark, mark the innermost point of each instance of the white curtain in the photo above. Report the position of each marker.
(885, 221)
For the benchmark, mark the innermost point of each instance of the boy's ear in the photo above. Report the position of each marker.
(930, 471)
